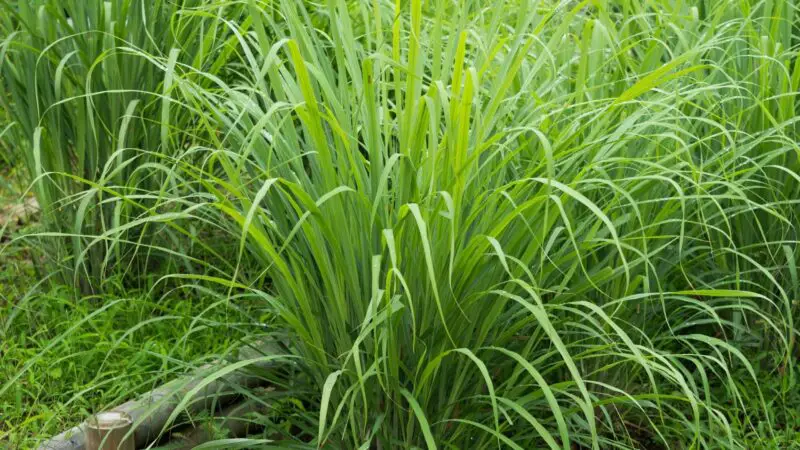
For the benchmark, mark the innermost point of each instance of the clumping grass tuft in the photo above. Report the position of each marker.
(538, 224)
(87, 84)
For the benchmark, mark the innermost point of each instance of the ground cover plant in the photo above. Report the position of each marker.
(551, 224)
(68, 356)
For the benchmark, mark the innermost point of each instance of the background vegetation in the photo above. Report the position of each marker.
(531, 224)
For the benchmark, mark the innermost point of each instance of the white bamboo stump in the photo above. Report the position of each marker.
(109, 431)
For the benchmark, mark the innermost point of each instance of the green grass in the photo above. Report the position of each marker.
(537, 225)
(130, 347)
(67, 356)
(122, 346)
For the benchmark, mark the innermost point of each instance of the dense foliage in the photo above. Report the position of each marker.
(531, 224)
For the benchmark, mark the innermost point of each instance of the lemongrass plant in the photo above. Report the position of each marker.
(531, 224)
(88, 83)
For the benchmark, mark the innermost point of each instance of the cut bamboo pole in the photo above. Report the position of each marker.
(151, 411)
(109, 431)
